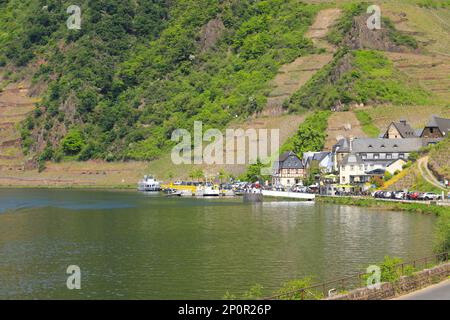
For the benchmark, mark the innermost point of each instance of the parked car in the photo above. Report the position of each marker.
(431, 196)
(412, 196)
(387, 195)
(400, 195)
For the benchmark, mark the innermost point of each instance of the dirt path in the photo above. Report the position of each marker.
(291, 77)
(426, 173)
(319, 29)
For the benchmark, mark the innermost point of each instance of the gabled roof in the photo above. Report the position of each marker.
(442, 123)
(405, 130)
(285, 155)
(288, 160)
(343, 145)
(320, 156)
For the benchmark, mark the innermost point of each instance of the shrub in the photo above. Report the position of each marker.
(387, 176)
(73, 142)
(295, 285)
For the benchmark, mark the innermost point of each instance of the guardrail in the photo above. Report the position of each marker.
(324, 289)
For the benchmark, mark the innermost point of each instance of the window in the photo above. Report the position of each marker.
(401, 156)
(352, 168)
(388, 156)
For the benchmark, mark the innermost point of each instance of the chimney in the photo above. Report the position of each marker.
(403, 122)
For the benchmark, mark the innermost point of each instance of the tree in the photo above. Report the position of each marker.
(73, 142)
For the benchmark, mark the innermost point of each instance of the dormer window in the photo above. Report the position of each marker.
(395, 146)
(370, 146)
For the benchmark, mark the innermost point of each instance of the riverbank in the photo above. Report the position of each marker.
(386, 205)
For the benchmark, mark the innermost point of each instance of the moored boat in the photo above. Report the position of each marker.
(149, 184)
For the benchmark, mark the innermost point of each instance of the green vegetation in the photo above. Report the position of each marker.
(442, 240)
(253, 173)
(285, 292)
(435, 4)
(386, 205)
(310, 136)
(343, 26)
(439, 156)
(72, 143)
(399, 38)
(137, 70)
(362, 76)
(367, 124)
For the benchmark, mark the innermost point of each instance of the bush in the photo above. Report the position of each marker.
(295, 285)
(73, 142)
(387, 176)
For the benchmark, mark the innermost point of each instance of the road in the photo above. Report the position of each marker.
(440, 291)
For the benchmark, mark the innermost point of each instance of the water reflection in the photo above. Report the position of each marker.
(130, 245)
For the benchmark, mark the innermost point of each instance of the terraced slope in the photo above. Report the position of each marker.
(15, 105)
(431, 71)
(291, 77)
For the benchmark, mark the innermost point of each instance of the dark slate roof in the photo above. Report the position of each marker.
(368, 145)
(441, 123)
(320, 156)
(285, 155)
(405, 130)
(343, 145)
(289, 160)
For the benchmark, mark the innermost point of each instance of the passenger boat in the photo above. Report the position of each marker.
(149, 184)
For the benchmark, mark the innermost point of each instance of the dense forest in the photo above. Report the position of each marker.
(136, 70)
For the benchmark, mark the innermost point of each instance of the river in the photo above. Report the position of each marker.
(130, 245)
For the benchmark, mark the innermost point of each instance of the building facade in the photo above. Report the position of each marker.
(288, 170)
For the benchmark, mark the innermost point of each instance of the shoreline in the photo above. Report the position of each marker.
(384, 205)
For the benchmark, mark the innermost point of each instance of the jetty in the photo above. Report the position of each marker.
(290, 195)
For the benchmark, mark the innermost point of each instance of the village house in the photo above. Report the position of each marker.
(288, 170)
(369, 157)
(436, 128)
(321, 160)
(399, 130)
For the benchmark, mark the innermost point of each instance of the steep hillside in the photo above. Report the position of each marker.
(439, 160)
(116, 89)
(15, 106)
(139, 69)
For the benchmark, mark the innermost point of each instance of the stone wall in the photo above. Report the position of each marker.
(406, 284)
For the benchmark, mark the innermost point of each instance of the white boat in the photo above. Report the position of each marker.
(207, 191)
(149, 184)
(211, 191)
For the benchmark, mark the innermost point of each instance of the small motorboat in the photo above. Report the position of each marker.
(174, 193)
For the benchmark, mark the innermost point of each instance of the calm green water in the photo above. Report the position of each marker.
(134, 246)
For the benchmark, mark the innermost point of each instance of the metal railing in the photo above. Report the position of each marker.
(345, 284)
